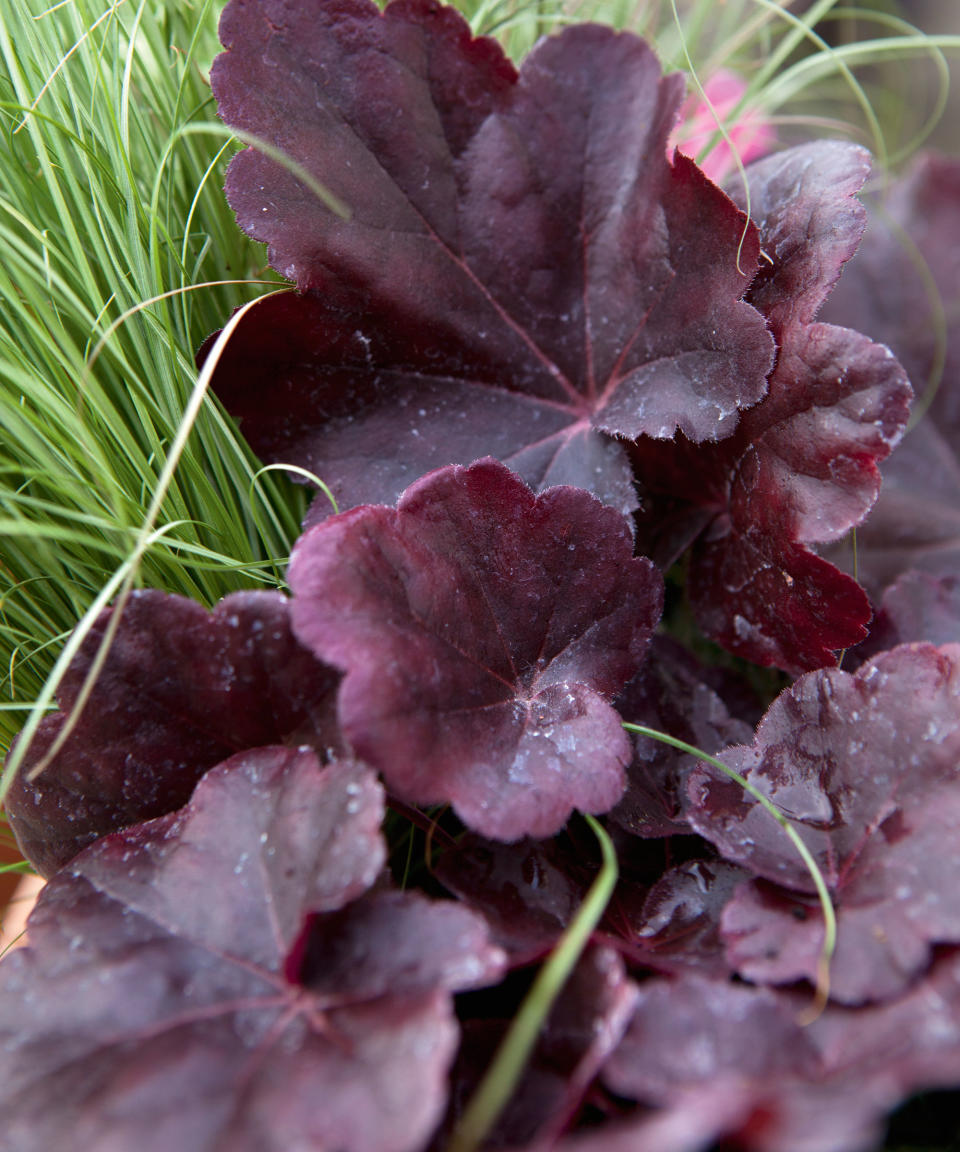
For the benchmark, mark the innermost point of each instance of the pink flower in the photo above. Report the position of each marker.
(752, 135)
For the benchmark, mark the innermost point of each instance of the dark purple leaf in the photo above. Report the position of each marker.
(155, 1005)
(483, 631)
(726, 1063)
(839, 404)
(753, 1035)
(395, 943)
(804, 202)
(865, 767)
(801, 468)
(679, 925)
(916, 522)
(522, 271)
(917, 607)
(527, 891)
(377, 107)
(903, 1046)
(903, 287)
(921, 607)
(669, 694)
(584, 1026)
(181, 689)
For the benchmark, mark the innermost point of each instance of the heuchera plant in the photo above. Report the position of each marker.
(306, 853)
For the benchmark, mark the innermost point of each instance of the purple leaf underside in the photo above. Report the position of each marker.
(522, 272)
(483, 632)
(153, 1001)
(181, 689)
(864, 765)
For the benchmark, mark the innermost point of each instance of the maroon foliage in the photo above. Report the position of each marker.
(522, 269)
(922, 607)
(903, 288)
(803, 201)
(533, 346)
(678, 927)
(865, 767)
(731, 1064)
(801, 468)
(157, 1005)
(527, 892)
(181, 689)
(483, 631)
(584, 1026)
(669, 694)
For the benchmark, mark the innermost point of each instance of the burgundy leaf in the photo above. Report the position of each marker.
(865, 767)
(803, 200)
(904, 283)
(181, 689)
(584, 1026)
(669, 694)
(906, 1045)
(726, 1063)
(903, 287)
(679, 926)
(153, 1004)
(527, 892)
(917, 607)
(735, 1060)
(921, 607)
(483, 631)
(802, 467)
(392, 943)
(522, 270)
(753, 1035)
(377, 107)
(837, 405)
(916, 522)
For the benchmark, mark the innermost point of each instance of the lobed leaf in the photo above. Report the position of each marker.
(482, 632)
(523, 272)
(802, 467)
(864, 766)
(159, 1005)
(725, 1063)
(903, 288)
(181, 689)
